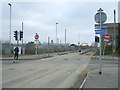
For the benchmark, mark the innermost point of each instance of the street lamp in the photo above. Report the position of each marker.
(114, 30)
(10, 25)
(56, 32)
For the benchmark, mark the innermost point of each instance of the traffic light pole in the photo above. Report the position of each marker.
(17, 39)
(22, 40)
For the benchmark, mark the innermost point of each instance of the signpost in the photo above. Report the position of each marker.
(100, 17)
(101, 31)
(106, 39)
(36, 36)
(107, 36)
(36, 39)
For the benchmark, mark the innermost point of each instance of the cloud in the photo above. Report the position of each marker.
(41, 17)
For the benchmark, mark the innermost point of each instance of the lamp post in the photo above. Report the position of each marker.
(10, 28)
(56, 32)
(114, 30)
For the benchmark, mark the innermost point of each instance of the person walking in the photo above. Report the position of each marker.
(16, 51)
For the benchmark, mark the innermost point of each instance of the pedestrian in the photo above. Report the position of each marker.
(80, 49)
(16, 50)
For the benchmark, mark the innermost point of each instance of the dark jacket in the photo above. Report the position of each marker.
(16, 50)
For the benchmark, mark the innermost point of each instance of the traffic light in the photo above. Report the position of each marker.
(21, 34)
(16, 35)
(97, 39)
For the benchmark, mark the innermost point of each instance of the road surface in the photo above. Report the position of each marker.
(56, 72)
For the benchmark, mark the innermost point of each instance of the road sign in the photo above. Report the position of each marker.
(36, 43)
(107, 36)
(106, 40)
(103, 17)
(110, 43)
(36, 36)
(97, 26)
(101, 31)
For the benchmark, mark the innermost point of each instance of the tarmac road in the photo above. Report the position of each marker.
(55, 72)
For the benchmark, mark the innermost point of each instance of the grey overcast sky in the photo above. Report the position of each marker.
(41, 17)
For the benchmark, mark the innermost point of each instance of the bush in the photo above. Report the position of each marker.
(108, 50)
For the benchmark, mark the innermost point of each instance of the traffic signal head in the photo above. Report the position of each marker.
(16, 35)
(97, 39)
(21, 34)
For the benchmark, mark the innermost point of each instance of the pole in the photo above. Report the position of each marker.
(22, 39)
(48, 45)
(114, 30)
(17, 38)
(113, 37)
(65, 36)
(104, 48)
(36, 48)
(100, 69)
(56, 32)
(79, 39)
(10, 29)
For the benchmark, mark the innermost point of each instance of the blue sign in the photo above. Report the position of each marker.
(97, 26)
(101, 31)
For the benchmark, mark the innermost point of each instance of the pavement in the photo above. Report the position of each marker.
(34, 57)
(108, 79)
(39, 56)
(105, 57)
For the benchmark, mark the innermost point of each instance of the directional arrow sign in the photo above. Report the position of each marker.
(101, 31)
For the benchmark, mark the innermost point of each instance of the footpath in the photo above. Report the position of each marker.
(109, 78)
(40, 56)
(35, 57)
